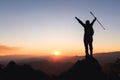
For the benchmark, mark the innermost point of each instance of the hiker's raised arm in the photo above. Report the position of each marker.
(80, 21)
(93, 21)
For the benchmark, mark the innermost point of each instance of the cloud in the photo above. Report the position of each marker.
(8, 49)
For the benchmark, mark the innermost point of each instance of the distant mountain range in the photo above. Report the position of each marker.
(65, 68)
(85, 69)
(51, 66)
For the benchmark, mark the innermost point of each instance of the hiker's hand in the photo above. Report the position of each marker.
(76, 18)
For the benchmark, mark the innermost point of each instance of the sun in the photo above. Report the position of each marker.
(56, 53)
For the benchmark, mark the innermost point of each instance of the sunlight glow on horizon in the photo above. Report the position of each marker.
(56, 53)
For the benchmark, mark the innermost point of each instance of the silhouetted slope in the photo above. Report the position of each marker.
(113, 71)
(87, 69)
(21, 72)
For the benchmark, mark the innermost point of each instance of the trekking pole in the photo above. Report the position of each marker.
(97, 20)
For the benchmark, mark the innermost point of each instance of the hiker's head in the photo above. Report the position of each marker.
(87, 22)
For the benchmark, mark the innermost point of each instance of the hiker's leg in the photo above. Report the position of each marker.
(86, 47)
(91, 48)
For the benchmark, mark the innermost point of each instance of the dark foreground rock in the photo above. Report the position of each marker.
(87, 69)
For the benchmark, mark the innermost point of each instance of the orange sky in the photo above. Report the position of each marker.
(8, 50)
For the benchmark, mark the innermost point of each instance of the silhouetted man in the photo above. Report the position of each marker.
(88, 35)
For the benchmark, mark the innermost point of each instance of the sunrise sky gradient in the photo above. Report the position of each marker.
(41, 27)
